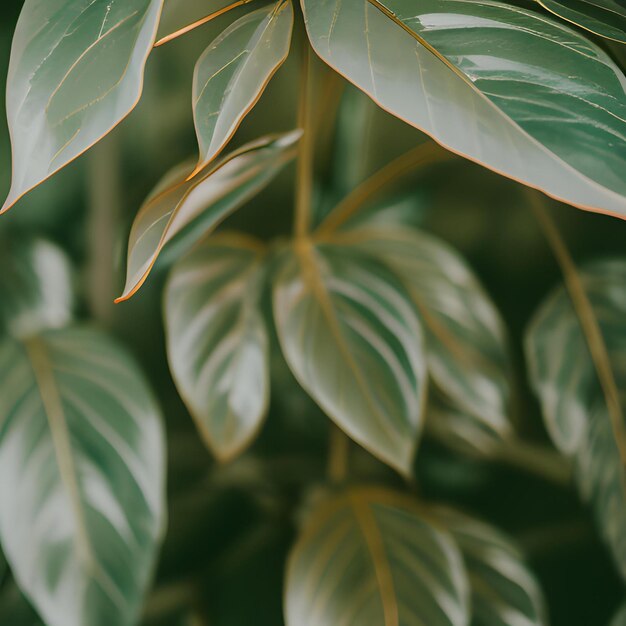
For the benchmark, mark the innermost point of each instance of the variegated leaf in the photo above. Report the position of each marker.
(76, 71)
(233, 72)
(352, 338)
(82, 464)
(368, 557)
(217, 340)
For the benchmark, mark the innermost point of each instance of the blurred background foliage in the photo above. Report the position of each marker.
(230, 527)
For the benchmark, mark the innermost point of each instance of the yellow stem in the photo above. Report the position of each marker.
(428, 153)
(589, 323)
(338, 455)
(200, 22)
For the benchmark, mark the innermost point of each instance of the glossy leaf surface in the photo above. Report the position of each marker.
(367, 557)
(602, 17)
(82, 460)
(465, 337)
(192, 208)
(573, 399)
(36, 290)
(76, 71)
(217, 340)
(523, 95)
(233, 72)
(352, 338)
(503, 590)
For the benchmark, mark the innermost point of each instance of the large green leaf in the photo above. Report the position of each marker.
(465, 337)
(504, 86)
(82, 463)
(36, 288)
(217, 340)
(368, 556)
(603, 17)
(573, 396)
(233, 72)
(181, 208)
(352, 338)
(76, 71)
(503, 590)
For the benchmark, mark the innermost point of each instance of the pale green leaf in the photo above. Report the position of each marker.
(509, 88)
(465, 337)
(76, 71)
(36, 289)
(602, 17)
(503, 589)
(189, 209)
(217, 340)
(233, 72)
(572, 397)
(620, 618)
(368, 557)
(352, 338)
(82, 464)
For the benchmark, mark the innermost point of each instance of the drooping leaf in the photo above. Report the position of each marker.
(189, 209)
(368, 556)
(36, 290)
(352, 338)
(217, 340)
(602, 17)
(572, 395)
(82, 461)
(503, 590)
(76, 71)
(233, 72)
(465, 337)
(509, 88)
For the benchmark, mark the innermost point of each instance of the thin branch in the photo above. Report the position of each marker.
(589, 323)
(200, 22)
(428, 153)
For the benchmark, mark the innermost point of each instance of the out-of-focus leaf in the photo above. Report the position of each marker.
(192, 208)
(602, 17)
(465, 337)
(620, 618)
(36, 290)
(217, 339)
(14, 609)
(82, 464)
(573, 399)
(368, 556)
(352, 338)
(233, 72)
(76, 71)
(509, 88)
(503, 590)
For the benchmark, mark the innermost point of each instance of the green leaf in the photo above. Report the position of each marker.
(14, 609)
(76, 71)
(620, 618)
(36, 289)
(503, 590)
(217, 340)
(82, 459)
(368, 556)
(602, 17)
(233, 72)
(465, 337)
(352, 338)
(573, 396)
(506, 87)
(188, 209)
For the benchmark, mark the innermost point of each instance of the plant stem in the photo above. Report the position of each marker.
(535, 459)
(104, 199)
(304, 181)
(338, 455)
(200, 22)
(428, 153)
(589, 323)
